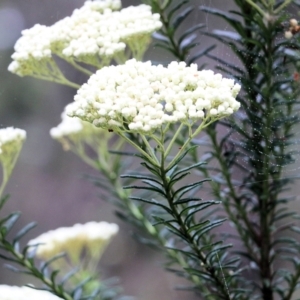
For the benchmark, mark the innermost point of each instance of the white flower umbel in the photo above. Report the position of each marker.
(32, 52)
(8, 292)
(68, 127)
(91, 238)
(142, 98)
(11, 142)
(33, 56)
(90, 34)
(94, 34)
(89, 142)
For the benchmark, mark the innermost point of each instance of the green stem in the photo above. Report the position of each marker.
(206, 122)
(265, 198)
(256, 7)
(233, 196)
(62, 81)
(281, 7)
(7, 170)
(150, 150)
(151, 158)
(175, 136)
(4, 181)
(140, 216)
(78, 67)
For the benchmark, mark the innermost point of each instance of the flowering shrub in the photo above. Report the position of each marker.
(130, 110)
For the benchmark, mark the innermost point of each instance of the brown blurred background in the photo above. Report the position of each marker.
(47, 184)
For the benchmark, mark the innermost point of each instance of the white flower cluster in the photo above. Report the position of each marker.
(72, 131)
(92, 236)
(32, 51)
(11, 140)
(97, 29)
(8, 292)
(142, 97)
(68, 127)
(89, 33)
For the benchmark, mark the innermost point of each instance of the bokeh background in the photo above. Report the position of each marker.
(47, 184)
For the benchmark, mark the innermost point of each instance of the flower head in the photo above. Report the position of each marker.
(81, 137)
(92, 237)
(32, 51)
(68, 127)
(142, 97)
(72, 132)
(11, 142)
(94, 34)
(8, 292)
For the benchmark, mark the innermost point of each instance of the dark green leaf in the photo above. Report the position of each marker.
(3, 201)
(23, 231)
(181, 17)
(153, 202)
(189, 32)
(10, 221)
(176, 8)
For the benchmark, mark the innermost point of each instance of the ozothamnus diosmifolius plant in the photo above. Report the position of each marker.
(168, 115)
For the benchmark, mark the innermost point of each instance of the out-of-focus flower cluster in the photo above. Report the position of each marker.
(94, 34)
(91, 238)
(73, 131)
(11, 142)
(294, 29)
(8, 292)
(142, 97)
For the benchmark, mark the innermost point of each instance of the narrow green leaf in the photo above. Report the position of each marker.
(23, 231)
(187, 253)
(10, 221)
(3, 201)
(201, 208)
(6, 258)
(45, 264)
(180, 18)
(236, 24)
(54, 275)
(151, 169)
(161, 38)
(183, 190)
(227, 64)
(77, 293)
(189, 43)
(198, 226)
(140, 177)
(153, 183)
(176, 162)
(168, 48)
(227, 34)
(209, 227)
(186, 200)
(193, 166)
(162, 221)
(136, 187)
(176, 8)
(153, 202)
(189, 32)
